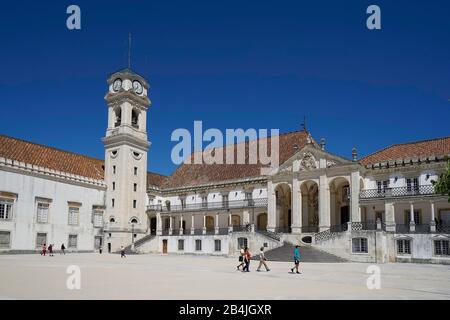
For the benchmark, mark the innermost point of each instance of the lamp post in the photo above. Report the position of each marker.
(132, 237)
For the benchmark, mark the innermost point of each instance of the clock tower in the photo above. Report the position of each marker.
(126, 148)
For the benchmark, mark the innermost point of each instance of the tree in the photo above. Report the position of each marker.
(442, 185)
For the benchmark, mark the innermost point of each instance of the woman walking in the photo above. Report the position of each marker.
(241, 258)
(44, 250)
(247, 258)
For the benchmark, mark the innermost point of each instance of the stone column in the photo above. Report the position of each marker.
(354, 197)
(216, 231)
(204, 224)
(389, 213)
(192, 224)
(412, 224)
(433, 216)
(158, 224)
(324, 204)
(230, 223)
(245, 217)
(271, 207)
(296, 211)
(181, 225)
(170, 225)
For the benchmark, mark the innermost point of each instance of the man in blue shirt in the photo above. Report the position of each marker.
(296, 259)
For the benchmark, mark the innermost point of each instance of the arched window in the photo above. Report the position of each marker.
(117, 117)
(135, 119)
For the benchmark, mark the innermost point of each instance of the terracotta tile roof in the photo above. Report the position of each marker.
(52, 158)
(194, 174)
(56, 159)
(155, 179)
(425, 148)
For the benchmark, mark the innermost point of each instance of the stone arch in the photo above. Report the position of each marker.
(261, 221)
(117, 116)
(339, 200)
(135, 114)
(310, 206)
(283, 195)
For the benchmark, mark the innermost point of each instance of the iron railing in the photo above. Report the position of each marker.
(397, 192)
(366, 225)
(242, 228)
(283, 230)
(310, 229)
(442, 228)
(205, 206)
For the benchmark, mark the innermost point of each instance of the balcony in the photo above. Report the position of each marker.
(399, 192)
(237, 204)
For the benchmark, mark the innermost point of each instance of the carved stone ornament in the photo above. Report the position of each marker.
(308, 162)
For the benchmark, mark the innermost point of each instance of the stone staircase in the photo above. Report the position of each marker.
(138, 243)
(308, 254)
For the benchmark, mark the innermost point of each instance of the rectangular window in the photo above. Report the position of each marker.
(5, 239)
(112, 203)
(98, 220)
(135, 171)
(441, 247)
(135, 187)
(180, 245)
(242, 242)
(412, 184)
(382, 185)
(359, 245)
(42, 212)
(98, 242)
(198, 245)
(73, 216)
(41, 239)
(217, 245)
(404, 246)
(114, 186)
(6, 209)
(134, 204)
(204, 201)
(73, 239)
(114, 169)
(225, 200)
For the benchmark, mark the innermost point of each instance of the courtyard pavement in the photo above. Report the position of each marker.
(107, 276)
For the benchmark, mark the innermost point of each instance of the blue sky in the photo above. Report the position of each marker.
(231, 64)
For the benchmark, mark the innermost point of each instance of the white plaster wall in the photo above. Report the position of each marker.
(24, 226)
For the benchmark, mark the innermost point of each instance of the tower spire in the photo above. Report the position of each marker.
(129, 50)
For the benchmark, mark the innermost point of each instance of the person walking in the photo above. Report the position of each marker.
(247, 258)
(122, 252)
(296, 259)
(62, 249)
(50, 250)
(241, 258)
(262, 260)
(44, 250)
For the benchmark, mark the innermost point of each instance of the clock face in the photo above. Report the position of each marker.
(137, 87)
(117, 84)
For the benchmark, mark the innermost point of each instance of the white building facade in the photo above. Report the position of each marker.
(381, 208)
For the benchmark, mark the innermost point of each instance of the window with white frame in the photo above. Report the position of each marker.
(42, 212)
(204, 201)
(41, 239)
(73, 239)
(6, 209)
(382, 185)
(5, 239)
(217, 245)
(242, 242)
(412, 184)
(73, 215)
(359, 245)
(225, 200)
(98, 219)
(404, 246)
(181, 245)
(441, 247)
(198, 245)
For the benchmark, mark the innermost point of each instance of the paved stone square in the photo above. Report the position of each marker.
(107, 276)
